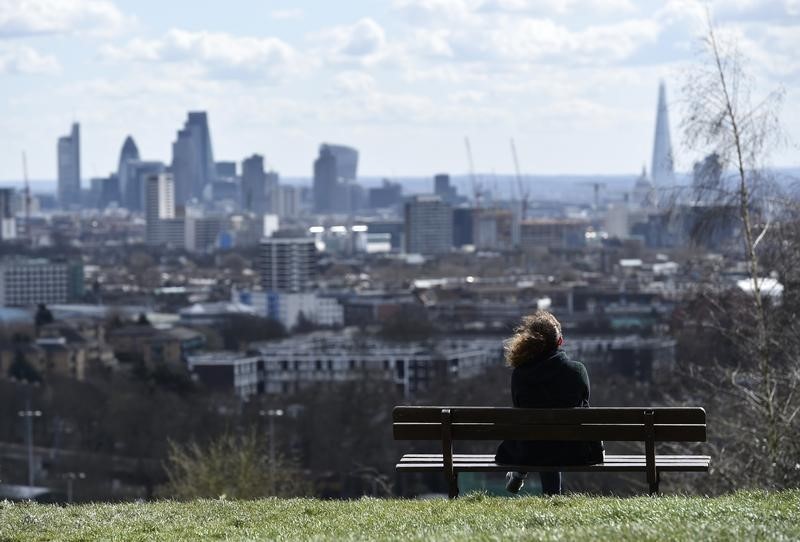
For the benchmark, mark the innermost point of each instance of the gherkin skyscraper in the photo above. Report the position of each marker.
(662, 169)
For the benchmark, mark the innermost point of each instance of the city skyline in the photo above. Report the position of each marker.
(406, 79)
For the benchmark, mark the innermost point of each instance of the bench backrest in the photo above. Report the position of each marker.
(676, 424)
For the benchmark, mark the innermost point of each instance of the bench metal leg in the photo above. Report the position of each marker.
(450, 473)
(654, 484)
(452, 486)
(650, 452)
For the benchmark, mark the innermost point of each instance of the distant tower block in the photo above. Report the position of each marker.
(69, 168)
(662, 167)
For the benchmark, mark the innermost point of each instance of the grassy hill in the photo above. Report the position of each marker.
(741, 516)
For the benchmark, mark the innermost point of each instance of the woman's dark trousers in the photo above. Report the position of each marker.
(551, 483)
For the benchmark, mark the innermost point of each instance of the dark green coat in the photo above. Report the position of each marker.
(553, 381)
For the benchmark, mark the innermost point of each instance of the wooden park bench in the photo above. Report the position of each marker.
(646, 424)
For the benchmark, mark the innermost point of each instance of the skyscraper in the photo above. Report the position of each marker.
(128, 153)
(389, 194)
(325, 180)
(69, 168)
(192, 158)
(662, 166)
(429, 225)
(286, 201)
(443, 188)
(346, 161)
(136, 174)
(254, 185)
(335, 188)
(226, 170)
(159, 205)
(464, 226)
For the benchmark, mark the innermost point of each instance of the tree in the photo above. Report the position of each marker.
(43, 316)
(241, 329)
(22, 370)
(142, 320)
(755, 383)
(304, 324)
(236, 467)
(409, 324)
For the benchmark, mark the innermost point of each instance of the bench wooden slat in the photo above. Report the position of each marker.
(490, 431)
(613, 415)
(491, 456)
(603, 467)
(608, 459)
(486, 463)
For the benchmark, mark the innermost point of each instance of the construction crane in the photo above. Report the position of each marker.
(477, 187)
(524, 190)
(26, 198)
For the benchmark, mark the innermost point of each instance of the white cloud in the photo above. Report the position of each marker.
(219, 54)
(25, 60)
(501, 33)
(524, 41)
(353, 83)
(362, 42)
(32, 17)
(559, 7)
(435, 11)
(441, 11)
(287, 14)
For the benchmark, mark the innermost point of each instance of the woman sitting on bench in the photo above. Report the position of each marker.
(545, 377)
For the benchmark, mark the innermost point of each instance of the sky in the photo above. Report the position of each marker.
(573, 82)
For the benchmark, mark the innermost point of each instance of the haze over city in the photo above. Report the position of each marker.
(402, 81)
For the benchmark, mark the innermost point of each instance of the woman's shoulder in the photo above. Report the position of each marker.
(572, 364)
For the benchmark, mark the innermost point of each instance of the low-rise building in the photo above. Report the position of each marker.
(27, 282)
(287, 366)
(552, 233)
(214, 313)
(642, 358)
(138, 343)
(289, 308)
(229, 372)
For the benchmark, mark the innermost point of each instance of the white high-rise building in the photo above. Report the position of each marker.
(69, 168)
(287, 201)
(8, 224)
(288, 264)
(662, 169)
(159, 206)
(429, 225)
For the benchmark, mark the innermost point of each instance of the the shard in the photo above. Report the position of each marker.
(662, 169)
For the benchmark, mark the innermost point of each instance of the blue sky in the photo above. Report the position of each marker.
(573, 82)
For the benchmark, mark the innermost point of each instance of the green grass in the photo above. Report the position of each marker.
(741, 516)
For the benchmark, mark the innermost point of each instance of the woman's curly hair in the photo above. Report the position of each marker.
(537, 334)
